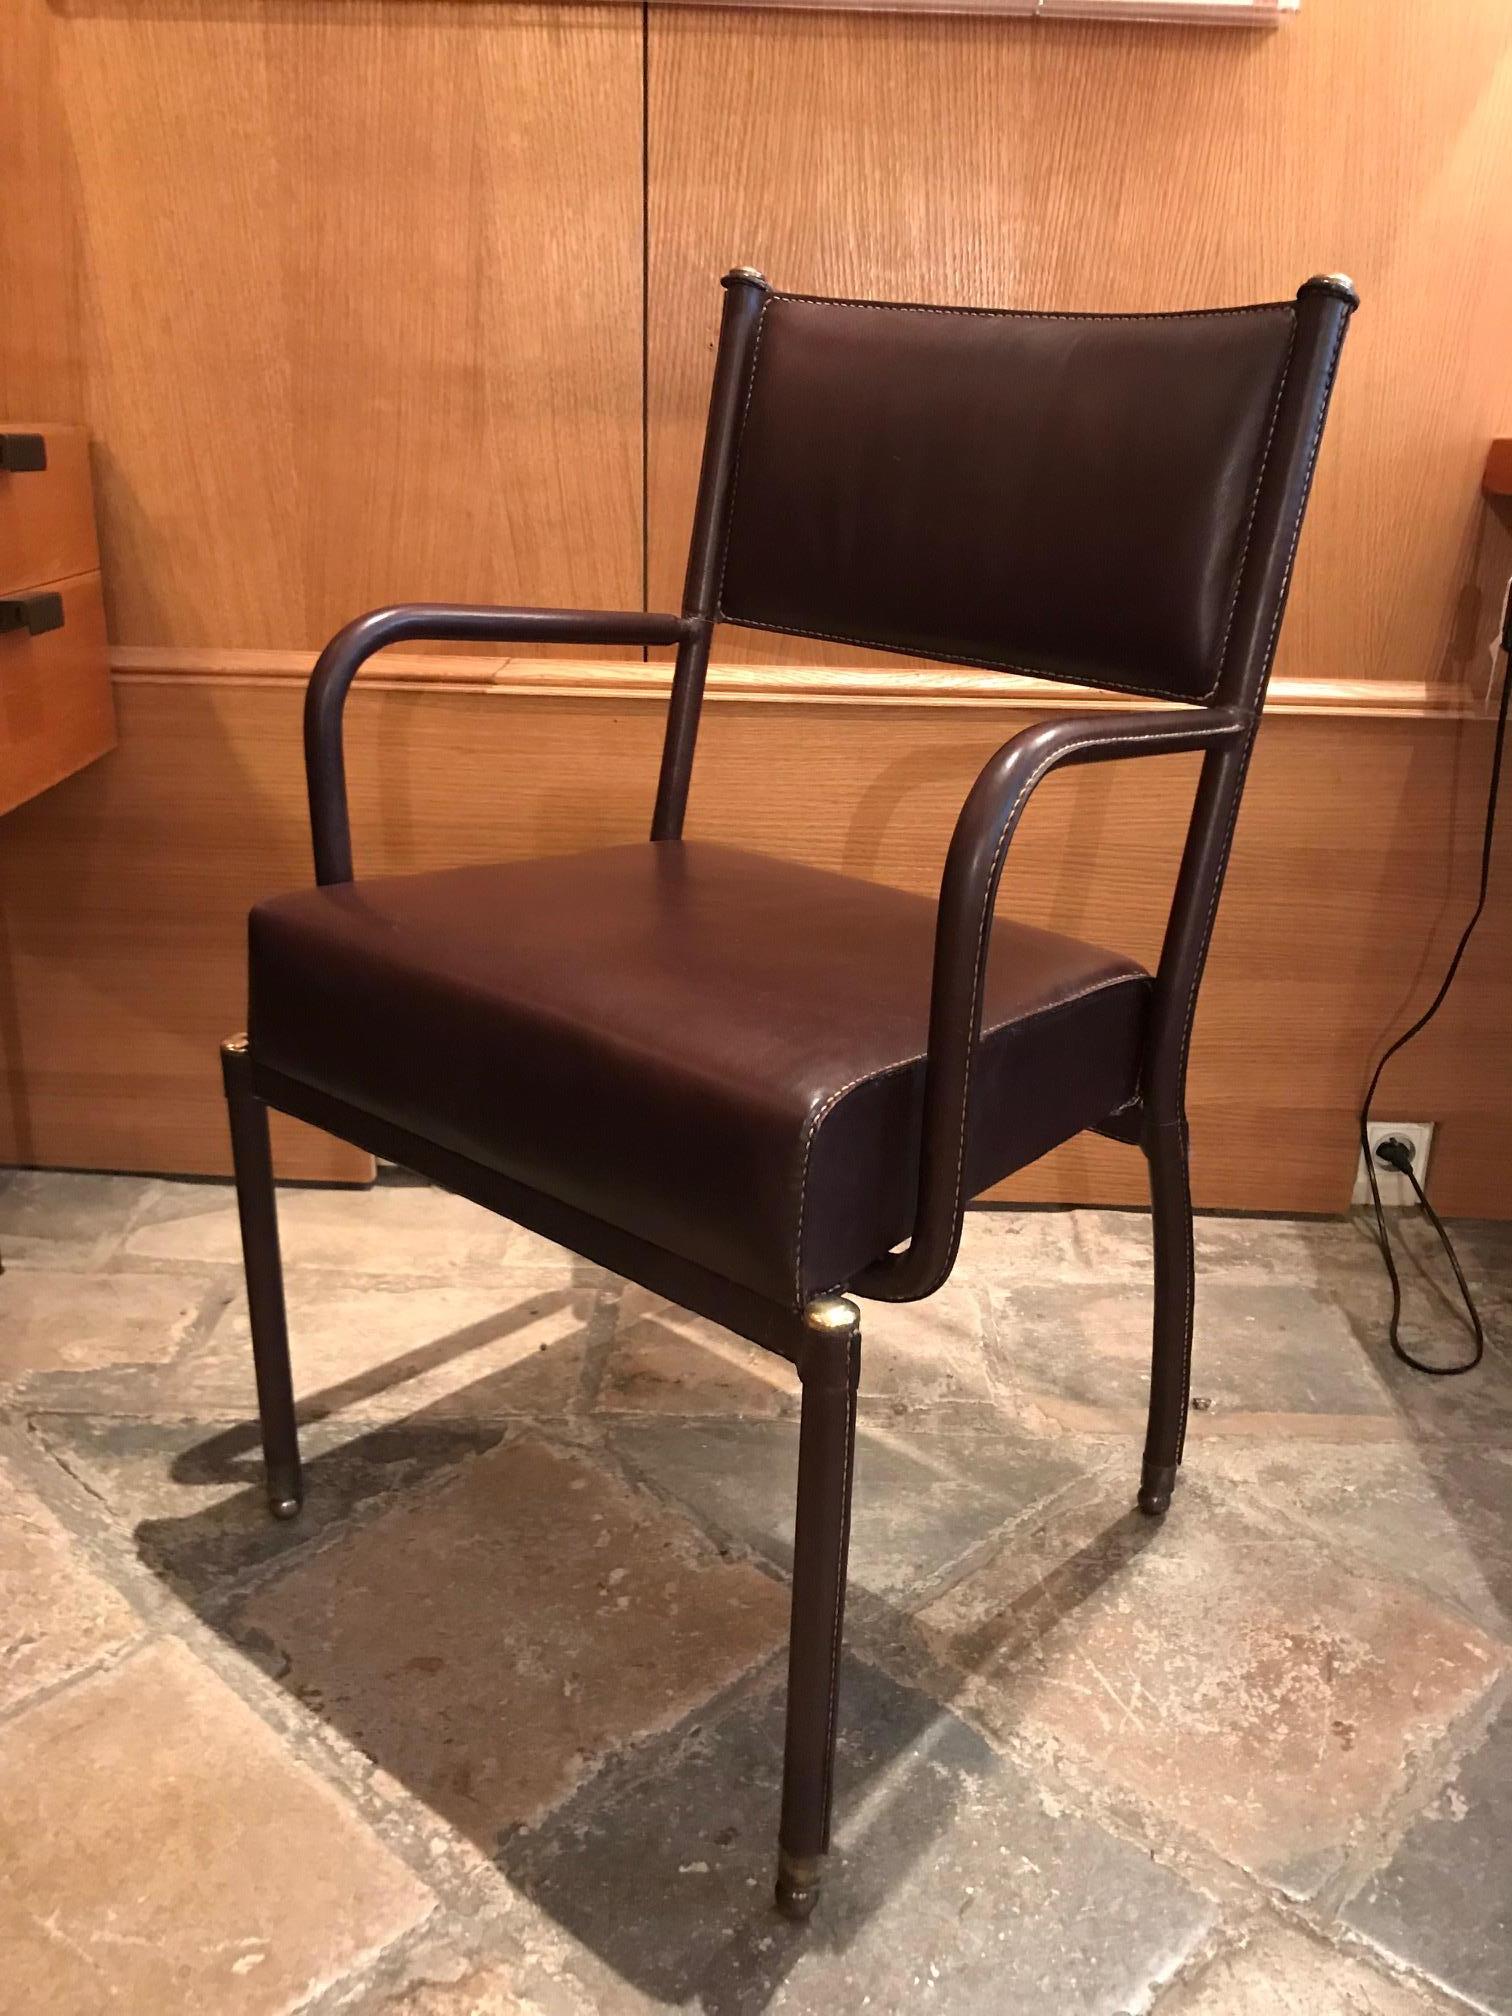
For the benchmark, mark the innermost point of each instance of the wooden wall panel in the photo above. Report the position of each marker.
(123, 896)
(40, 347)
(55, 707)
(123, 924)
(349, 294)
(1111, 165)
(306, 274)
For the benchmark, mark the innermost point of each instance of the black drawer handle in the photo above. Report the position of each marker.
(36, 613)
(22, 452)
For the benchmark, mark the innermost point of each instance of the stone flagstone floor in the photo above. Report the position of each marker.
(495, 1726)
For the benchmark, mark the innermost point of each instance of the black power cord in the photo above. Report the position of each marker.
(1396, 1154)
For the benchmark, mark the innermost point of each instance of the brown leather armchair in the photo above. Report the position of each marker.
(758, 1088)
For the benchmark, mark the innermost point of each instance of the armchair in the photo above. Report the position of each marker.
(761, 1089)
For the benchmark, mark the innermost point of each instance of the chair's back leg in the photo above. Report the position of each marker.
(257, 1207)
(830, 1370)
(1171, 1360)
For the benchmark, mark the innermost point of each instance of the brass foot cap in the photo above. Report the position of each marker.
(798, 1885)
(1155, 1488)
(284, 1508)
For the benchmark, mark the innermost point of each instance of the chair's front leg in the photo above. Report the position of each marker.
(830, 1370)
(1171, 1361)
(257, 1207)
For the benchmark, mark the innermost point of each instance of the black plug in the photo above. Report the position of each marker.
(1395, 1153)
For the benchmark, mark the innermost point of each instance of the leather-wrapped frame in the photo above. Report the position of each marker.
(823, 1339)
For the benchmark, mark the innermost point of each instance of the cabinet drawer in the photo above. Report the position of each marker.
(47, 526)
(56, 712)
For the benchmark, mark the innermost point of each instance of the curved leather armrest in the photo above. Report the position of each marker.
(433, 622)
(968, 889)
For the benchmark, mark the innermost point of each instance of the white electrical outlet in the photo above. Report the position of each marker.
(1395, 1189)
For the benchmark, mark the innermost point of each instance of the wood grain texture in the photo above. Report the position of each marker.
(349, 295)
(124, 892)
(47, 526)
(55, 700)
(884, 685)
(123, 917)
(1095, 165)
(41, 369)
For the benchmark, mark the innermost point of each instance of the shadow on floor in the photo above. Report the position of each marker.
(1458, 1427)
(660, 1862)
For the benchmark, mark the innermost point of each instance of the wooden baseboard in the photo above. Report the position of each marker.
(907, 685)
(124, 891)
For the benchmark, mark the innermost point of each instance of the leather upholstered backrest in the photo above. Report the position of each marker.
(1068, 495)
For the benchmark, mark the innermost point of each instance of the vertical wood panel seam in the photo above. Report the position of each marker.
(645, 330)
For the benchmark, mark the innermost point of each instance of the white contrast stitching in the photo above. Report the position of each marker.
(1191, 1292)
(1059, 756)
(845, 1477)
(818, 1117)
(822, 1113)
(1023, 314)
(1191, 1008)
(1228, 838)
(1249, 523)
(1039, 314)
(745, 415)
(1270, 647)
(808, 1141)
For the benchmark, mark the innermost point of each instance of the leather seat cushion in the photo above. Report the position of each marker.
(718, 1052)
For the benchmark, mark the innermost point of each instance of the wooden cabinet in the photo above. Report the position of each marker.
(55, 705)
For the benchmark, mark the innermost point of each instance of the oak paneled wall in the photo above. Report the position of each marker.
(348, 294)
(1127, 166)
(123, 894)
